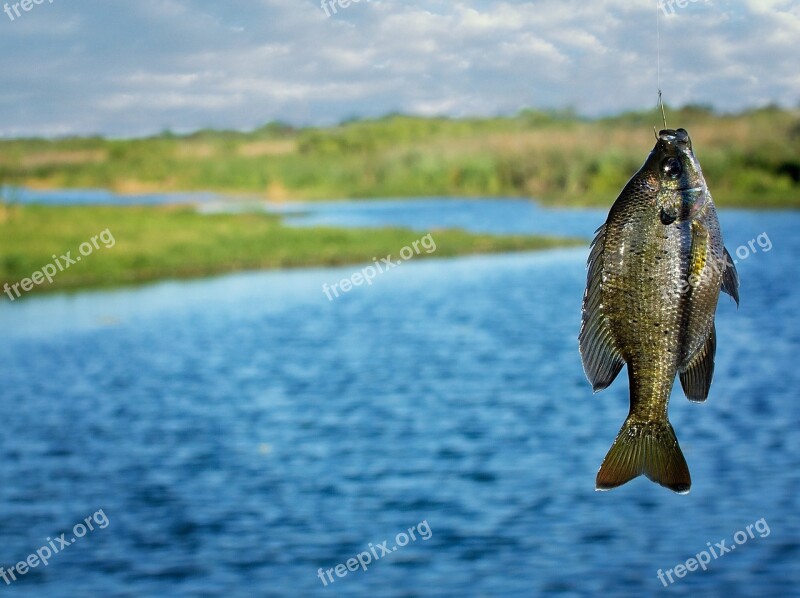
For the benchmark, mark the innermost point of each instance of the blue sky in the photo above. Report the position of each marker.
(129, 68)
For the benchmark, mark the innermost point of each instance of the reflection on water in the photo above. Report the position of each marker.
(241, 432)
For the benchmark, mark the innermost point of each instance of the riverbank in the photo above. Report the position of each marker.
(71, 247)
(750, 159)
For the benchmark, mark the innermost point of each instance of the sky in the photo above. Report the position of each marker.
(125, 68)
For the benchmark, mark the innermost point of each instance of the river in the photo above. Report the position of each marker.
(242, 432)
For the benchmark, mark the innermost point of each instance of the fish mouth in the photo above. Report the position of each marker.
(678, 138)
(674, 135)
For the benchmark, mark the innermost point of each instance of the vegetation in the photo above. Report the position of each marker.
(149, 243)
(750, 159)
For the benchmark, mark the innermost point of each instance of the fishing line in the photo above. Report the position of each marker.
(658, 64)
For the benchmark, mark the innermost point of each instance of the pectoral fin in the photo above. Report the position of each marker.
(730, 278)
(699, 251)
(696, 377)
(601, 358)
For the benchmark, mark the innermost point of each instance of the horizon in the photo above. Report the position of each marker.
(564, 115)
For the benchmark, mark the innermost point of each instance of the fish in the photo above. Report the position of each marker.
(655, 271)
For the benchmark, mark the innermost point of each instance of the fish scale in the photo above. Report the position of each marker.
(655, 272)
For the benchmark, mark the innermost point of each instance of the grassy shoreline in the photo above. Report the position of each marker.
(116, 246)
(750, 159)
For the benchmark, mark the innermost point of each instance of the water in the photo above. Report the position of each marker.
(241, 432)
(100, 197)
(509, 216)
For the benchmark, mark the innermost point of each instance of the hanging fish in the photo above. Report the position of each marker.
(655, 271)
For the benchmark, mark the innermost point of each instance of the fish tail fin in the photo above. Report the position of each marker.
(648, 448)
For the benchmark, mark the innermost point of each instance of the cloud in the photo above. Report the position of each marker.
(137, 68)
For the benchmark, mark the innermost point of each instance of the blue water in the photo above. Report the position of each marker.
(100, 197)
(241, 432)
(484, 215)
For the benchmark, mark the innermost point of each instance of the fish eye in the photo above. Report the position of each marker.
(672, 168)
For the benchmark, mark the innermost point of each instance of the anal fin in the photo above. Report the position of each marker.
(730, 278)
(696, 376)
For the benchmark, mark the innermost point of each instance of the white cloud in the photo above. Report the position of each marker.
(135, 68)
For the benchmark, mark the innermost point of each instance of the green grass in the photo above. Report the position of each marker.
(750, 159)
(152, 243)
